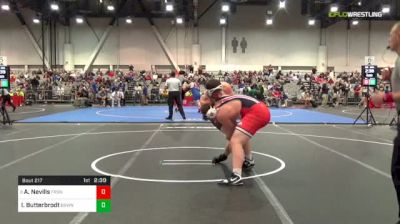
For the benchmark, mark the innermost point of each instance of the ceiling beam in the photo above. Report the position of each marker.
(29, 33)
(207, 9)
(103, 38)
(160, 40)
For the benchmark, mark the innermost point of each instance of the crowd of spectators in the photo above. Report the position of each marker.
(308, 88)
(116, 88)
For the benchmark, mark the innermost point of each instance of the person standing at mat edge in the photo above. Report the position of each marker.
(394, 45)
(6, 99)
(174, 86)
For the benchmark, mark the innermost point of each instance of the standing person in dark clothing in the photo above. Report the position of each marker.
(6, 98)
(145, 95)
(174, 86)
(35, 84)
(394, 45)
(336, 94)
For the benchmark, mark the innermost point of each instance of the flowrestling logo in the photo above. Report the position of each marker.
(355, 14)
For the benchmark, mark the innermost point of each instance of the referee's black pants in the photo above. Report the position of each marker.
(175, 96)
(7, 99)
(395, 169)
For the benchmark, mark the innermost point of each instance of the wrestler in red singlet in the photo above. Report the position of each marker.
(255, 114)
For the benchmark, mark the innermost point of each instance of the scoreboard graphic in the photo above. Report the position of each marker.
(369, 74)
(64, 194)
(4, 77)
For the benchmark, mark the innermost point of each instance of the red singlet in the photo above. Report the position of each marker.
(255, 114)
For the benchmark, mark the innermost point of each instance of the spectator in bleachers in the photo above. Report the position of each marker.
(102, 96)
(260, 94)
(50, 84)
(270, 99)
(253, 92)
(137, 94)
(315, 88)
(336, 94)
(195, 89)
(155, 93)
(324, 94)
(357, 92)
(277, 94)
(241, 87)
(307, 97)
(117, 96)
(110, 74)
(345, 89)
(145, 95)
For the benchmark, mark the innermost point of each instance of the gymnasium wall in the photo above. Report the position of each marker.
(289, 42)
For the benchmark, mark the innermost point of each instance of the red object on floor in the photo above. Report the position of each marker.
(389, 104)
(17, 100)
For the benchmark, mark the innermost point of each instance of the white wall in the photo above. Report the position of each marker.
(14, 43)
(336, 38)
(290, 41)
(131, 43)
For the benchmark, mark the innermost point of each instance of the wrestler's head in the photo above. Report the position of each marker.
(214, 89)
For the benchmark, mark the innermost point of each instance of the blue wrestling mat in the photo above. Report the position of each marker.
(157, 114)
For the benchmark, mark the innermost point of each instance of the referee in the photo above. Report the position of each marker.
(174, 86)
(394, 45)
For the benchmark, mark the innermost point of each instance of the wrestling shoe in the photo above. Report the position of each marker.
(248, 164)
(219, 158)
(234, 180)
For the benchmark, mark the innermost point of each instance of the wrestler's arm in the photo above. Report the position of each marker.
(395, 97)
(386, 98)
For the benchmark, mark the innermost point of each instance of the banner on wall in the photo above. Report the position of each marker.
(3, 60)
(369, 60)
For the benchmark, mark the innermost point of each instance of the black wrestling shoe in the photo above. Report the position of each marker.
(168, 118)
(234, 180)
(248, 164)
(219, 158)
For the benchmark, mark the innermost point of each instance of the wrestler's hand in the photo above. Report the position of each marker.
(204, 108)
(204, 100)
(212, 113)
